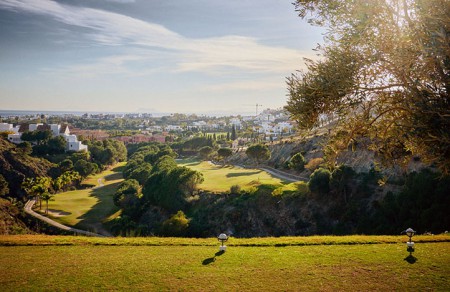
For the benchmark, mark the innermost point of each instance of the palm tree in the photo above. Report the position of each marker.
(46, 196)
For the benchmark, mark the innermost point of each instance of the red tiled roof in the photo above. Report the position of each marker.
(63, 128)
(24, 128)
(44, 127)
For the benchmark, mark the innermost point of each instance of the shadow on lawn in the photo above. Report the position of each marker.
(411, 259)
(114, 176)
(119, 169)
(193, 163)
(213, 259)
(93, 219)
(236, 174)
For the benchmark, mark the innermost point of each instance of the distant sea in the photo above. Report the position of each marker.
(15, 113)
(21, 113)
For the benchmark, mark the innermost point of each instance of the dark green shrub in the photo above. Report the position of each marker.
(297, 162)
(235, 189)
(177, 225)
(319, 181)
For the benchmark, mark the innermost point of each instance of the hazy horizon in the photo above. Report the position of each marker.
(19, 112)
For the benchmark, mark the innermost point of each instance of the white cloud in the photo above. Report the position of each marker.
(122, 1)
(262, 84)
(205, 55)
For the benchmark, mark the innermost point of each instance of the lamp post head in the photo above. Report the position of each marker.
(222, 237)
(410, 232)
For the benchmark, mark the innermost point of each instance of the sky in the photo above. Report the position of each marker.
(166, 56)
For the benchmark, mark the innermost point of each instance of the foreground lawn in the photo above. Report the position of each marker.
(220, 178)
(86, 209)
(357, 267)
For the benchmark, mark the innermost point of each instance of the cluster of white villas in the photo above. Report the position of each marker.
(264, 124)
(57, 130)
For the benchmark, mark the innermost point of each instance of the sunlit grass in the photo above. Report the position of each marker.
(220, 178)
(254, 241)
(175, 264)
(94, 179)
(87, 208)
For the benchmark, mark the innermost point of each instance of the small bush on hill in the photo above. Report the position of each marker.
(177, 225)
(235, 189)
(297, 162)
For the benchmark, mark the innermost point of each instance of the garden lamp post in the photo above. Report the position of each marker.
(222, 238)
(410, 232)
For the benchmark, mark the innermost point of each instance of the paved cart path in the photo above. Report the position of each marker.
(29, 210)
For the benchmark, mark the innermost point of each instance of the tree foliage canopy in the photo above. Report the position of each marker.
(384, 73)
(224, 153)
(169, 184)
(297, 162)
(320, 181)
(205, 152)
(258, 152)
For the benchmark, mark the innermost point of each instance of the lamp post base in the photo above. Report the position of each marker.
(223, 248)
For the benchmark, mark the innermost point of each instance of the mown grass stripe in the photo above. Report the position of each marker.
(43, 240)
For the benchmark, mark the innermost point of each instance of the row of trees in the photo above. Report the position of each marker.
(43, 188)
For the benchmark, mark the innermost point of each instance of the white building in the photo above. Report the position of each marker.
(76, 146)
(4, 127)
(281, 127)
(155, 129)
(236, 122)
(57, 130)
(174, 128)
(15, 138)
(199, 124)
(34, 127)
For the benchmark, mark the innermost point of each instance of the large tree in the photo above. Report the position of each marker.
(258, 153)
(224, 153)
(384, 74)
(169, 185)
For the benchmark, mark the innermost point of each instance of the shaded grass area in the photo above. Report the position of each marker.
(220, 178)
(200, 268)
(88, 208)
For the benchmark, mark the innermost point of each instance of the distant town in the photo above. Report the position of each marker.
(268, 125)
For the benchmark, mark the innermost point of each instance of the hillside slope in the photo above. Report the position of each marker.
(15, 166)
(359, 159)
(9, 222)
